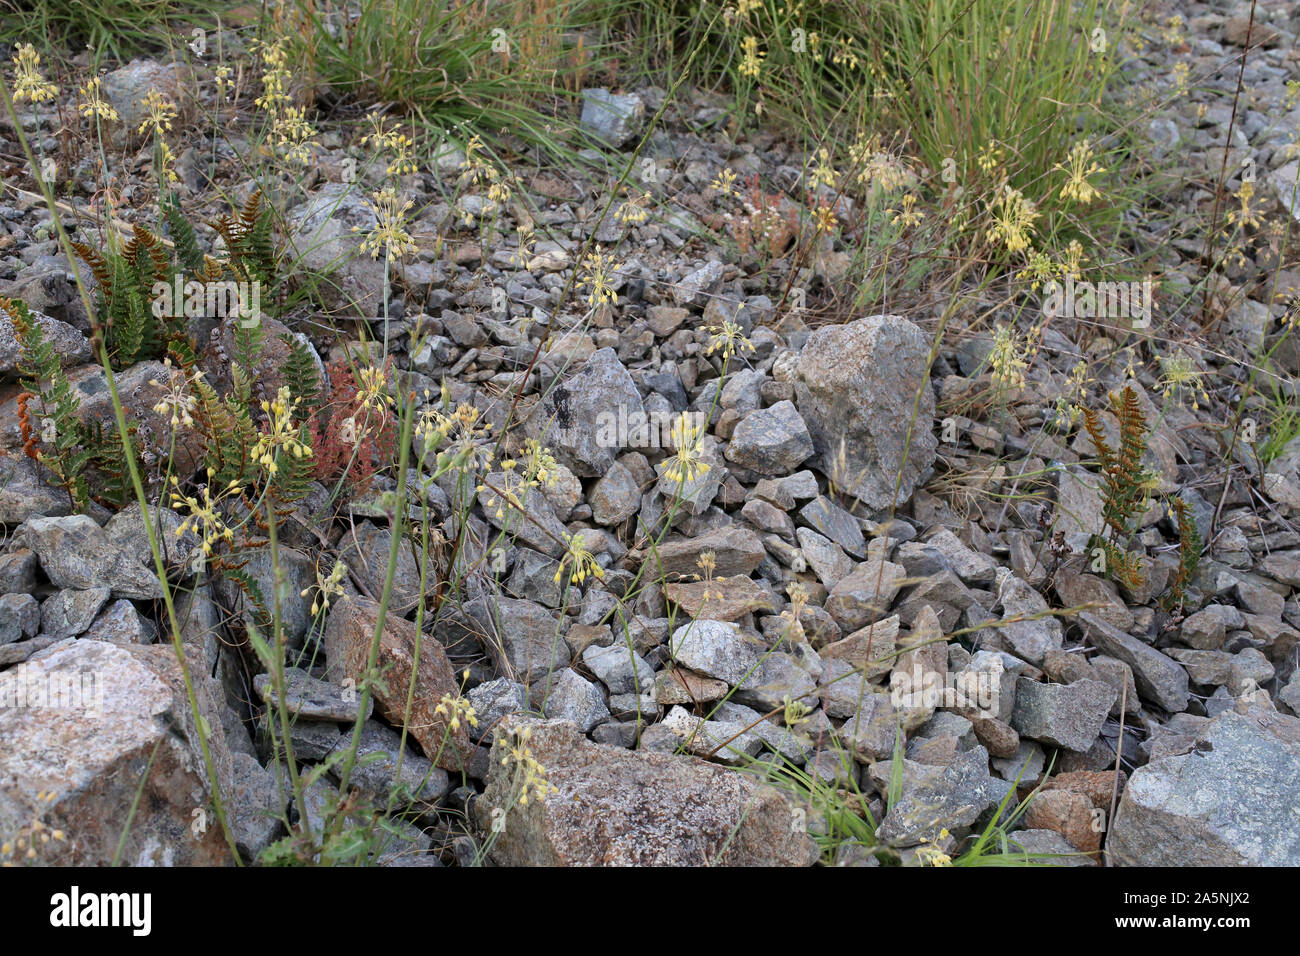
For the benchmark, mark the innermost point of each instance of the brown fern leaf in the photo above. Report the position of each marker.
(1092, 424)
(98, 266)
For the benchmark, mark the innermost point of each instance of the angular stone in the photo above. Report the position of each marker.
(349, 632)
(617, 807)
(71, 612)
(1159, 679)
(1064, 715)
(716, 649)
(771, 441)
(722, 599)
(77, 553)
(857, 387)
(865, 595)
(310, 699)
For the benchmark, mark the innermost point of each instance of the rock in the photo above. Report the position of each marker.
(1159, 679)
(20, 616)
(326, 231)
(365, 550)
(25, 491)
(680, 685)
(856, 386)
(618, 807)
(375, 772)
(18, 572)
(935, 798)
(310, 699)
(870, 649)
(613, 118)
(529, 635)
(1069, 814)
(69, 346)
(716, 649)
(349, 631)
(737, 551)
(590, 417)
(126, 87)
(694, 286)
(1038, 632)
(571, 697)
(722, 599)
(1229, 801)
(771, 441)
(493, 701)
(126, 529)
(76, 553)
(537, 526)
(123, 745)
(615, 497)
(1064, 715)
(253, 789)
(1077, 590)
(619, 668)
(121, 623)
(824, 556)
(1046, 848)
(873, 730)
(777, 677)
(725, 741)
(865, 595)
(298, 572)
(1207, 628)
(835, 523)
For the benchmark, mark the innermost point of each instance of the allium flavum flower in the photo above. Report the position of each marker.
(599, 271)
(823, 173)
(327, 587)
(1081, 166)
(579, 560)
(724, 182)
(281, 432)
(203, 515)
(907, 217)
(687, 437)
(178, 404)
(397, 143)
(533, 773)
(28, 82)
(1009, 358)
(95, 105)
(275, 62)
(1013, 220)
(751, 60)
(1246, 215)
(293, 133)
(729, 337)
(1182, 375)
(161, 113)
(456, 709)
(390, 232)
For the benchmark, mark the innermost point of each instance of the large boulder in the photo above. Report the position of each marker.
(614, 807)
(856, 386)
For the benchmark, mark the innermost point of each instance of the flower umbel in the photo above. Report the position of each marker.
(579, 560)
(390, 232)
(28, 83)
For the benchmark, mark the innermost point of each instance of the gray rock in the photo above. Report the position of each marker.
(375, 772)
(771, 441)
(829, 519)
(619, 668)
(824, 556)
(693, 287)
(856, 386)
(323, 237)
(1230, 801)
(1030, 639)
(570, 696)
(589, 418)
(1064, 715)
(20, 616)
(536, 527)
(737, 550)
(1207, 628)
(530, 636)
(726, 741)
(18, 571)
(298, 572)
(365, 549)
(864, 596)
(717, 649)
(310, 699)
(121, 623)
(615, 497)
(618, 807)
(493, 701)
(25, 491)
(1159, 679)
(935, 798)
(71, 612)
(777, 677)
(70, 346)
(614, 118)
(76, 553)
(1047, 848)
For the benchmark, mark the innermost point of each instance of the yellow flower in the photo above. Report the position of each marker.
(823, 173)
(907, 217)
(1081, 167)
(751, 61)
(728, 337)
(1245, 215)
(95, 104)
(687, 464)
(203, 515)
(599, 271)
(294, 132)
(28, 82)
(579, 560)
(281, 433)
(1013, 220)
(390, 226)
(724, 182)
(990, 157)
(161, 113)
